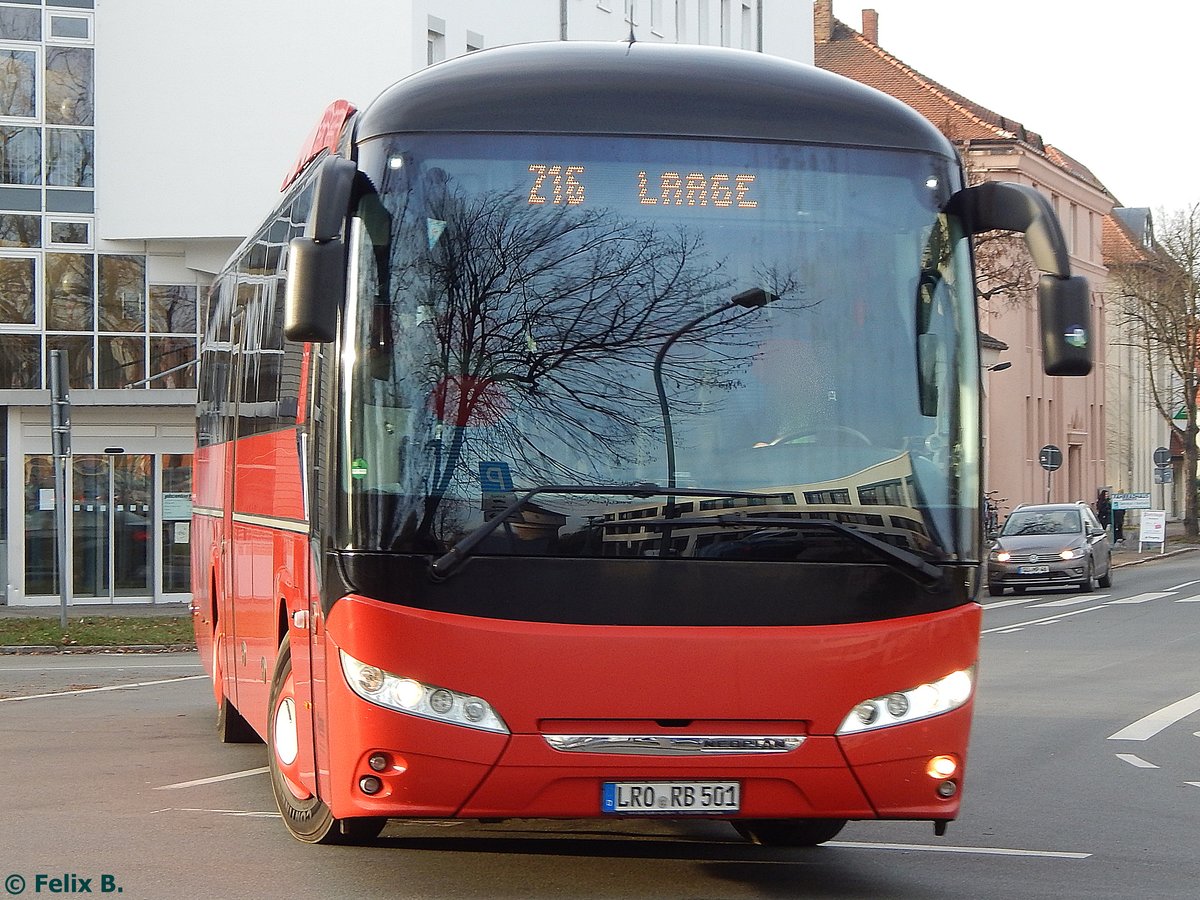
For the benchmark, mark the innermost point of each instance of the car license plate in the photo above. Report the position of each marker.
(1032, 570)
(641, 797)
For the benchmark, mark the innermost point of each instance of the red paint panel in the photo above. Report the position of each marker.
(267, 479)
(617, 677)
(890, 763)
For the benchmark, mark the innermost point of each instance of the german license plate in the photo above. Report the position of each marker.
(1032, 570)
(642, 797)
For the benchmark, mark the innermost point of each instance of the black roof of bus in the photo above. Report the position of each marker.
(645, 89)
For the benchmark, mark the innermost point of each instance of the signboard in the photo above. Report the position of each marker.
(1154, 527)
(176, 506)
(1162, 457)
(1050, 457)
(1163, 476)
(1131, 501)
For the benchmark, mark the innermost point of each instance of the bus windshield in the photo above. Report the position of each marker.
(784, 333)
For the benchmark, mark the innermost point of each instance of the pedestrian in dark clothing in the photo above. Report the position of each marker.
(1104, 509)
(1118, 517)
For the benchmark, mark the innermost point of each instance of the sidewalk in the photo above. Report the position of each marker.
(1127, 554)
(79, 610)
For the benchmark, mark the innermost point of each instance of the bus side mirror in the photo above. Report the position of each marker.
(1064, 304)
(1065, 314)
(316, 281)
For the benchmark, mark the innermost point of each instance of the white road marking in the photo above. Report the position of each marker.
(243, 813)
(1141, 598)
(1193, 783)
(1043, 621)
(111, 687)
(1016, 601)
(940, 848)
(213, 780)
(1180, 587)
(1135, 760)
(1148, 726)
(848, 845)
(1195, 599)
(1072, 601)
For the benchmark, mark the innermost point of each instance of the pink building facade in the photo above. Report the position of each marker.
(1024, 410)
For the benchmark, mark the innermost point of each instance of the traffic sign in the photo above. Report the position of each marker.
(1162, 456)
(1050, 457)
(1162, 475)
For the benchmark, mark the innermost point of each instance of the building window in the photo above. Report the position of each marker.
(69, 157)
(20, 231)
(474, 41)
(173, 308)
(69, 93)
(747, 28)
(70, 299)
(18, 284)
(121, 361)
(20, 361)
(80, 358)
(70, 234)
(18, 83)
(435, 47)
(172, 362)
(69, 28)
(20, 24)
(20, 155)
(122, 293)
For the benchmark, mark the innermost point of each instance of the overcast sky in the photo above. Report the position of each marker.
(1113, 85)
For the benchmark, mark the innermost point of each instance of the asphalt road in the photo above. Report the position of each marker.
(1084, 782)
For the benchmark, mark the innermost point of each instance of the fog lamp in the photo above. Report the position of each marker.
(378, 761)
(369, 784)
(941, 767)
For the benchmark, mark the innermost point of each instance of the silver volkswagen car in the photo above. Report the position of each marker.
(1050, 545)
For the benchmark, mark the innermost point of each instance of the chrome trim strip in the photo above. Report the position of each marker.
(208, 511)
(673, 745)
(272, 522)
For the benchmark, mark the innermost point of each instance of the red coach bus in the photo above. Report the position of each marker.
(594, 430)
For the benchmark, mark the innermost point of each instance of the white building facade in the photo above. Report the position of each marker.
(140, 141)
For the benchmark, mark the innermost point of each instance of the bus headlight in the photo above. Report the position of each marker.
(920, 702)
(407, 695)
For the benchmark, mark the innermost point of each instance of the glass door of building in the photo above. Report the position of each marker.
(112, 525)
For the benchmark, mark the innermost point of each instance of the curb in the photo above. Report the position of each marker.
(1153, 556)
(34, 650)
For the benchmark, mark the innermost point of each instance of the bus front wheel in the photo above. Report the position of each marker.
(306, 816)
(788, 832)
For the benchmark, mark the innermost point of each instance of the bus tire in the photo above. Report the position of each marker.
(305, 815)
(788, 832)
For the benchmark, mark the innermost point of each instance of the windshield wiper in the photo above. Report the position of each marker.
(445, 565)
(907, 562)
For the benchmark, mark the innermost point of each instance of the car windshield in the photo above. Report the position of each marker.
(711, 315)
(1061, 521)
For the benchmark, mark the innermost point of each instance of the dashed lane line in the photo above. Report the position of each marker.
(1134, 760)
(1142, 598)
(1016, 626)
(1148, 726)
(245, 773)
(1072, 601)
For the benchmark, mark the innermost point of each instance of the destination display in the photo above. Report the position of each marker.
(567, 185)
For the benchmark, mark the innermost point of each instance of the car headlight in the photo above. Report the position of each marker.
(407, 695)
(1001, 555)
(1077, 553)
(910, 705)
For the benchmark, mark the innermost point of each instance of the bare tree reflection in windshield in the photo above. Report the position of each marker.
(530, 335)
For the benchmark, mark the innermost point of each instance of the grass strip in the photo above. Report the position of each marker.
(95, 631)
